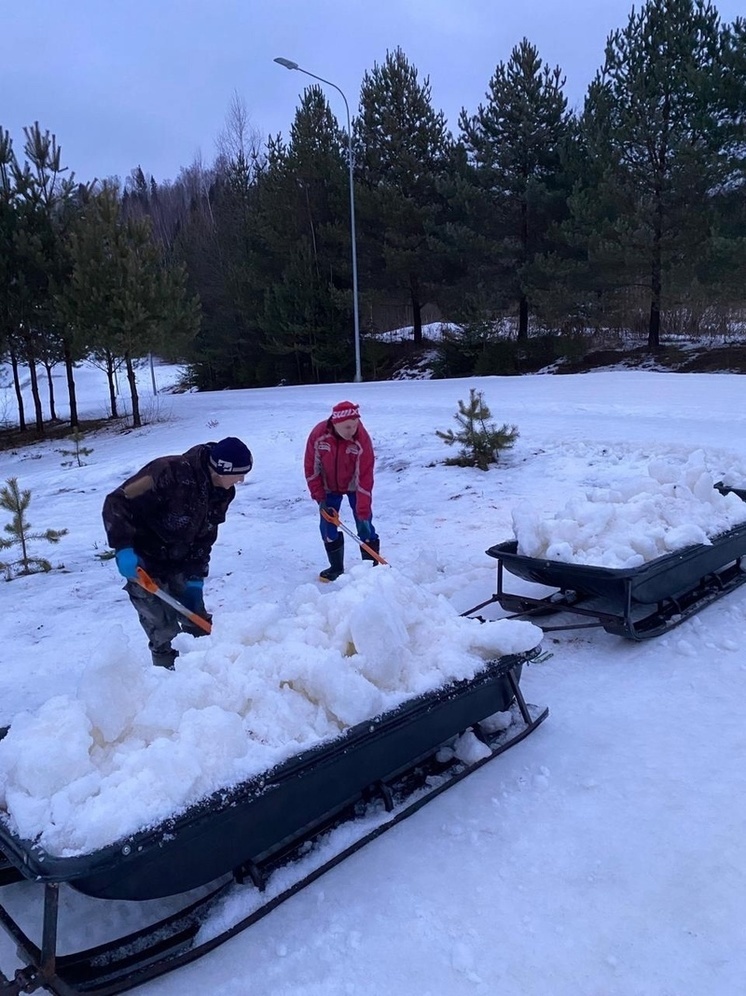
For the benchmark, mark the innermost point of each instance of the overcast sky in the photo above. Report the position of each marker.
(149, 82)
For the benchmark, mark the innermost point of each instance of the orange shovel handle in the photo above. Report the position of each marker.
(332, 516)
(145, 580)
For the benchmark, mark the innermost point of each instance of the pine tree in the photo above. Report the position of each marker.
(657, 124)
(514, 145)
(481, 442)
(405, 158)
(9, 268)
(122, 293)
(45, 200)
(16, 501)
(78, 451)
(304, 224)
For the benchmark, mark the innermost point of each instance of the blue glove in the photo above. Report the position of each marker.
(364, 529)
(192, 597)
(127, 562)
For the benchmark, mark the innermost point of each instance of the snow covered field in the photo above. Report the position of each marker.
(601, 857)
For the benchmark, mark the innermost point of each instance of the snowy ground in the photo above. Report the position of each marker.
(601, 857)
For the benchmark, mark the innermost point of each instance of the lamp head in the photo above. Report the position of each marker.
(287, 63)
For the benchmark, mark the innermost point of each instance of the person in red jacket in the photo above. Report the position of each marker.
(339, 461)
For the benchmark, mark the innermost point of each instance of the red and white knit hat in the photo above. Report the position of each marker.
(344, 411)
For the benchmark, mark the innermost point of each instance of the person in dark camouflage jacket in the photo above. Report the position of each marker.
(165, 519)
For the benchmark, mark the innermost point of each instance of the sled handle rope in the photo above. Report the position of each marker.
(146, 582)
(332, 516)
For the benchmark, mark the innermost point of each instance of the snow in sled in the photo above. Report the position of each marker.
(639, 557)
(451, 701)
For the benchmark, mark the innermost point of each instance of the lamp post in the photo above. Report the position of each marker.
(289, 64)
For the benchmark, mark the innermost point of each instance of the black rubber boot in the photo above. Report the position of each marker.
(335, 551)
(165, 658)
(374, 544)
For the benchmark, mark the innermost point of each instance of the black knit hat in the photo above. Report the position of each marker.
(231, 456)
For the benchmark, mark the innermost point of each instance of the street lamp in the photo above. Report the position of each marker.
(289, 64)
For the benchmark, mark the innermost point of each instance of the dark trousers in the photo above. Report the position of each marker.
(334, 500)
(160, 621)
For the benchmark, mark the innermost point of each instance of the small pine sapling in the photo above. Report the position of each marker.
(481, 442)
(16, 501)
(77, 453)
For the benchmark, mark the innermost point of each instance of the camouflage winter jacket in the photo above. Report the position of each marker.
(169, 513)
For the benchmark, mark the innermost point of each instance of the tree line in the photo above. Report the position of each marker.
(628, 213)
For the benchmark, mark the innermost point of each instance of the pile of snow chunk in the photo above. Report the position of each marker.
(139, 744)
(634, 520)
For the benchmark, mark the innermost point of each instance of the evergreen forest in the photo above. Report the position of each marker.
(532, 226)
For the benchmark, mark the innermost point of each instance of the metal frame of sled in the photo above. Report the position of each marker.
(635, 603)
(404, 766)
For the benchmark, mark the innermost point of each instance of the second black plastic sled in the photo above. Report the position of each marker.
(636, 603)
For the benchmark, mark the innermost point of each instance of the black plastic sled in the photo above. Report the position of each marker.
(636, 603)
(387, 768)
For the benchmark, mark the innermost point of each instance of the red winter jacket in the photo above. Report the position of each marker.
(336, 465)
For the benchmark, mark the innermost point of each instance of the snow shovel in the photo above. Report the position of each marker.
(149, 585)
(331, 516)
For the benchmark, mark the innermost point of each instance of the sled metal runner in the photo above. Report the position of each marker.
(377, 804)
(635, 603)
